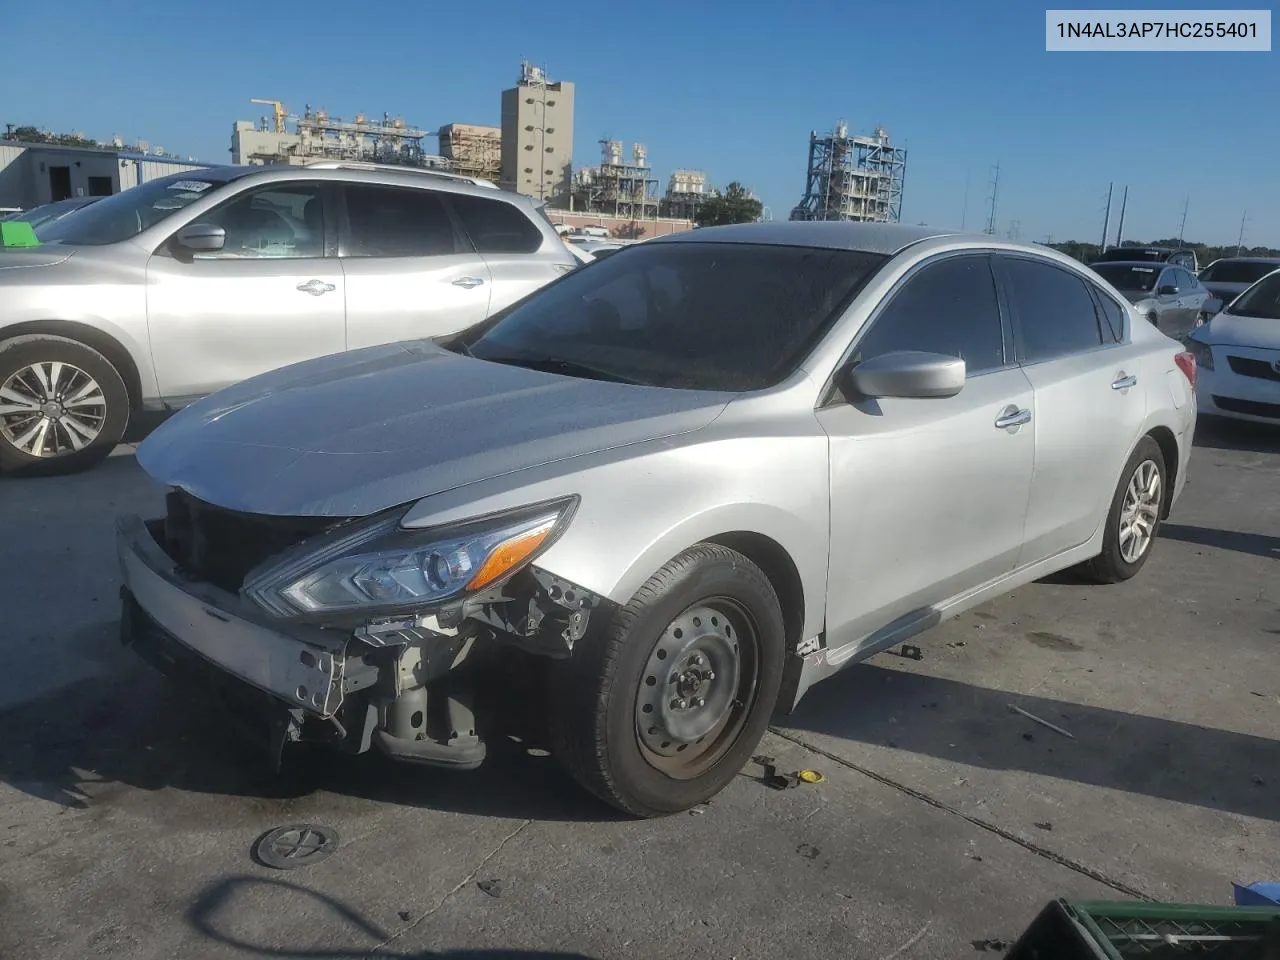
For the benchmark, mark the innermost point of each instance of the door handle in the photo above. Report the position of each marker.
(1124, 382)
(1012, 417)
(317, 288)
(468, 282)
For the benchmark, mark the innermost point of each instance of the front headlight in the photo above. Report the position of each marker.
(383, 568)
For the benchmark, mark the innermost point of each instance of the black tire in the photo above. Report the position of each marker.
(595, 708)
(20, 353)
(1111, 565)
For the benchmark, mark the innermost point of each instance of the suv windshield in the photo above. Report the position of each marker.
(1237, 271)
(1260, 300)
(1125, 276)
(128, 213)
(699, 316)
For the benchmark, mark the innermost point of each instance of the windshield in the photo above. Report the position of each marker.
(1260, 300)
(699, 316)
(1237, 271)
(1124, 276)
(128, 213)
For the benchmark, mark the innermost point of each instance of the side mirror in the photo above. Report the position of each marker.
(905, 374)
(1166, 291)
(1213, 305)
(201, 237)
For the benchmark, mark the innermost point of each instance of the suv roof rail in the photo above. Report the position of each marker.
(397, 168)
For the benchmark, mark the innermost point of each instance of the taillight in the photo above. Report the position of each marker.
(1186, 362)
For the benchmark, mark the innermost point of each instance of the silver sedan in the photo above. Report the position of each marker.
(670, 493)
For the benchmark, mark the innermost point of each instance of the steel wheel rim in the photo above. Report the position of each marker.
(50, 409)
(678, 735)
(1140, 511)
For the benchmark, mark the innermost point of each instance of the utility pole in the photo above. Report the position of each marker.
(1015, 230)
(1240, 239)
(1106, 220)
(1124, 202)
(1183, 225)
(964, 211)
(995, 191)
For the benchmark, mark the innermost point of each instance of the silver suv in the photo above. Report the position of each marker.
(171, 290)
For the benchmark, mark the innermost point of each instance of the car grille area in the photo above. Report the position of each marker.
(1251, 408)
(1252, 367)
(218, 546)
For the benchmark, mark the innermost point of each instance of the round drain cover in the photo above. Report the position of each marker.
(297, 845)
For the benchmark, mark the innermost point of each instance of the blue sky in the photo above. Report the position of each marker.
(733, 89)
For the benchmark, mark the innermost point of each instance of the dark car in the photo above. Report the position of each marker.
(48, 212)
(1179, 257)
(1169, 296)
(1229, 277)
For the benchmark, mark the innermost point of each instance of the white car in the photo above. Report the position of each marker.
(1238, 355)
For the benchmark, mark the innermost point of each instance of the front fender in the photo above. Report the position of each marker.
(646, 503)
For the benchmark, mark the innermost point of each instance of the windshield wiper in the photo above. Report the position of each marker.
(570, 368)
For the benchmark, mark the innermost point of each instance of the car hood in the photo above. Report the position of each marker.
(41, 256)
(358, 432)
(1230, 330)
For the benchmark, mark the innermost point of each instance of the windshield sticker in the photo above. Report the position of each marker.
(196, 186)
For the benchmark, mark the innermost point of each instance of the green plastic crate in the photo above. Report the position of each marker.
(1116, 930)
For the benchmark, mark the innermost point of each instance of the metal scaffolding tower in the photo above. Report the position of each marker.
(618, 188)
(853, 178)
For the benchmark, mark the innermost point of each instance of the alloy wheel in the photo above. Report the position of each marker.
(50, 409)
(1140, 511)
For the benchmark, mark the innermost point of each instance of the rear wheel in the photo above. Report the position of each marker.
(657, 711)
(63, 406)
(1134, 518)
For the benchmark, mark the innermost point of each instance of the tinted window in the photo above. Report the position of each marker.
(1260, 300)
(494, 226)
(948, 307)
(1167, 279)
(1187, 280)
(397, 222)
(1238, 271)
(1055, 312)
(1128, 277)
(1133, 253)
(1112, 316)
(704, 316)
(279, 221)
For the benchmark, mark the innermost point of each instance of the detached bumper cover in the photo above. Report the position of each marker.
(216, 627)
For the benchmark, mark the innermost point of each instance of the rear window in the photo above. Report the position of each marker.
(494, 226)
(1124, 276)
(1151, 254)
(1236, 271)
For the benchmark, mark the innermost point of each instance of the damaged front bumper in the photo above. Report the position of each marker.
(404, 691)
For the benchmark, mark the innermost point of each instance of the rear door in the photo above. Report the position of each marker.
(512, 247)
(268, 298)
(1089, 404)
(410, 272)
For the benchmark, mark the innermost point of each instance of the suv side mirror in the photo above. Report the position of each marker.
(201, 237)
(904, 374)
(1168, 290)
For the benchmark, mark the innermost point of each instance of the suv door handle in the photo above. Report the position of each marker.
(468, 282)
(1012, 417)
(1124, 382)
(317, 288)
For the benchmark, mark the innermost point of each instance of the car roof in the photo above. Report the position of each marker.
(884, 238)
(1247, 260)
(1147, 264)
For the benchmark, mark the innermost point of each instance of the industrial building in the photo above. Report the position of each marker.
(853, 178)
(686, 191)
(472, 150)
(617, 187)
(537, 137)
(36, 173)
(318, 136)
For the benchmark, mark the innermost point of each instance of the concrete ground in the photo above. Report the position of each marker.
(946, 819)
